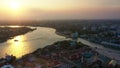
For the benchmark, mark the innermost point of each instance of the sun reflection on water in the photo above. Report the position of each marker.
(29, 42)
(14, 26)
(18, 47)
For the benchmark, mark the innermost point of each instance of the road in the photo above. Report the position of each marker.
(113, 54)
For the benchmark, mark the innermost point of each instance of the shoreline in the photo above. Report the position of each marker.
(111, 53)
(10, 32)
(100, 49)
(47, 54)
(67, 36)
(38, 56)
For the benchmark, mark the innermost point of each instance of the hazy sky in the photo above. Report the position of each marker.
(59, 9)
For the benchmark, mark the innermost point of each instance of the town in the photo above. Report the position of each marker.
(61, 54)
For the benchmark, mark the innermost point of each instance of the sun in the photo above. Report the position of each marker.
(15, 9)
(14, 6)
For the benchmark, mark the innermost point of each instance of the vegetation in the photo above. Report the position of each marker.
(59, 46)
(9, 32)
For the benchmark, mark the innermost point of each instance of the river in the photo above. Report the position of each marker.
(29, 42)
(42, 37)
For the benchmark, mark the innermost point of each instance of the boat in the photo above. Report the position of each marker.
(16, 40)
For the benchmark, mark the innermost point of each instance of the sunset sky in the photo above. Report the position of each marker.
(59, 9)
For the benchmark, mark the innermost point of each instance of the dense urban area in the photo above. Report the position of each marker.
(71, 53)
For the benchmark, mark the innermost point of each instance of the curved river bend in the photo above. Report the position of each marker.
(42, 37)
(29, 42)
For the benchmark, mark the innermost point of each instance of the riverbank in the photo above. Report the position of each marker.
(10, 32)
(37, 58)
(62, 54)
(111, 53)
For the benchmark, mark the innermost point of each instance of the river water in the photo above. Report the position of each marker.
(42, 37)
(29, 42)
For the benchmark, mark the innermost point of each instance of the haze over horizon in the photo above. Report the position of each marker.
(59, 9)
